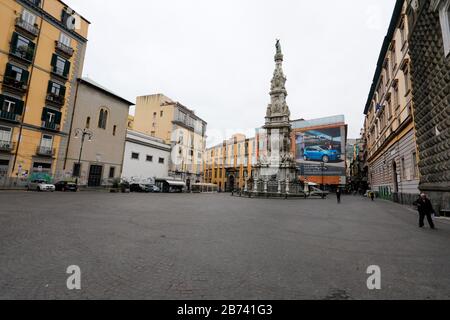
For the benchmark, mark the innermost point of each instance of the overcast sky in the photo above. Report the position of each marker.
(216, 57)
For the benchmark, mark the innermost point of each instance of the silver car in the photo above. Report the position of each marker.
(40, 185)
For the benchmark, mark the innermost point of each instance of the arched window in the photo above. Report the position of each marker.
(103, 119)
(88, 122)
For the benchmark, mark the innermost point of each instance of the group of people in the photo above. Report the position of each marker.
(423, 205)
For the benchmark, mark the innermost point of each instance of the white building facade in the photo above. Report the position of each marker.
(146, 158)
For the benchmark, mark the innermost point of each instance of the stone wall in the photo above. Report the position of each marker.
(431, 85)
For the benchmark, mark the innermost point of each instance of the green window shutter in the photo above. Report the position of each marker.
(49, 87)
(67, 68)
(54, 58)
(44, 114)
(15, 38)
(63, 91)
(18, 109)
(30, 53)
(25, 76)
(58, 116)
(8, 70)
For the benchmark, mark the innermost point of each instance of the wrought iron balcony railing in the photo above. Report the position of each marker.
(55, 99)
(31, 30)
(45, 151)
(10, 116)
(65, 50)
(7, 146)
(14, 84)
(50, 126)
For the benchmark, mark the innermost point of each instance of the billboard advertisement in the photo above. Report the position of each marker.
(320, 154)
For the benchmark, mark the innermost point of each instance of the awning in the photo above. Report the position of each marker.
(176, 183)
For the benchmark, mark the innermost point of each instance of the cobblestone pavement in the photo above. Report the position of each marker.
(181, 246)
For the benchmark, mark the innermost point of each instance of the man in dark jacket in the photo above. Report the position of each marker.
(338, 195)
(425, 209)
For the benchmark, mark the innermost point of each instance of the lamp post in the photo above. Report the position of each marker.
(83, 133)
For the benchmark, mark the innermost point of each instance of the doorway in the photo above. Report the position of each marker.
(95, 176)
(395, 176)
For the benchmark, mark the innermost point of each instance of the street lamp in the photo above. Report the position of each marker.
(83, 133)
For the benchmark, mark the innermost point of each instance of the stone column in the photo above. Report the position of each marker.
(246, 185)
(255, 185)
(279, 186)
(265, 186)
(287, 186)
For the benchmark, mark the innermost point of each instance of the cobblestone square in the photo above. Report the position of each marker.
(214, 246)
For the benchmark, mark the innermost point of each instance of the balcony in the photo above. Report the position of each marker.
(10, 116)
(23, 53)
(28, 29)
(14, 86)
(56, 100)
(7, 146)
(64, 50)
(45, 151)
(59, 72)
(50, 126)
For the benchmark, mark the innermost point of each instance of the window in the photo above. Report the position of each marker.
(28, 17)
(22, 47)
(76, 170)
(51, 118)
(61, 66)
(103, 119)
(112, 172)
(9, 106)
(403, 168)
(444, 15)
(149, 158)
(407, 78)
(135, 156)
(88, 122)
(114, 130)
(395, 94)
(5, 135)
(47, 141)
(161, 114)
(16, 76)
(393, 58)
(161, 160)
(65, 39)
(415, 165)
(56, 89)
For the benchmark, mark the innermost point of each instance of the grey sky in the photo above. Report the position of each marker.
(216, 57)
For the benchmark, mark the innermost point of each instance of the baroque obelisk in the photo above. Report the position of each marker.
(276, 163)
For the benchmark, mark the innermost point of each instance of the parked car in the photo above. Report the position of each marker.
(66, 186)
(155, 189)
(317, 153)
(40, 185)
(139, 187)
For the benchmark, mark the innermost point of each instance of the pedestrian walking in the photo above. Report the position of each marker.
(372, 195)
(425, 210)
(338, 195)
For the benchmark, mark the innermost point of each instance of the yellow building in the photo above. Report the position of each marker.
(161, 117)
(389, 127)
(130, 123)
(42, 49)
(227, 164)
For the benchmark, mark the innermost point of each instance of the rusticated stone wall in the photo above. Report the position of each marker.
(431, 84)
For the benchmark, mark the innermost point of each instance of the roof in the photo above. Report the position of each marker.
(384, 48)
(89, 82)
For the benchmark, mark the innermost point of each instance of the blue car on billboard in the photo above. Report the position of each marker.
(318, 153)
